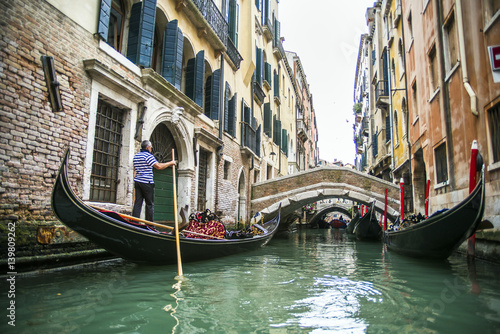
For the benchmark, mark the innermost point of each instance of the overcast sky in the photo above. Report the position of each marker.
(325, 34)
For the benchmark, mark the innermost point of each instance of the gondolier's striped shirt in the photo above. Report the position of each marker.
(143, 164)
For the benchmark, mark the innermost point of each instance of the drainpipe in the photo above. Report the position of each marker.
(389, 84)
(465, 73)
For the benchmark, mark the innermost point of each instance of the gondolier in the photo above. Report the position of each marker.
(144, 161)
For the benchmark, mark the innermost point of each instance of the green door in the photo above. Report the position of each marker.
(163, 143)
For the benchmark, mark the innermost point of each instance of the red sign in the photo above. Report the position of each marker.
(495, 57)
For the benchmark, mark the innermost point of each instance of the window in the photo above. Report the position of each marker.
(230, 111)
(388, 127)
(195, 75)
(450, 43)
(414, 99)
(106, 156)
(227, 170)
(491, 12)
(396, 130)
(410, 25)
(116, 23)
(230, 11)
(212, 88)
(433, 69)
(441, 164)
(494, 122)
(268, 119)
(404, 115)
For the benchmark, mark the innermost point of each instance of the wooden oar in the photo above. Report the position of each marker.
(147, 222)
(177, 241)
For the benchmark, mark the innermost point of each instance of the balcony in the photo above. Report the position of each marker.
(233, 54)
(382, 93)
(302, 130)
(278, 49)
(250, 139)
(268, 29)
(258, 93)
(207, 18)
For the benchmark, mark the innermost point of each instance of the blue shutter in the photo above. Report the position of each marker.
(257, 140)
(173, 40)
(141, 32)
(104, 15)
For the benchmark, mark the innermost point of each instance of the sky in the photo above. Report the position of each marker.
(325, 34)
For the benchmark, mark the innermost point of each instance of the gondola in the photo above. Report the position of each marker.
(352, 223)
(368, 228)
(135, 242)
(337, 223)
(442, 233)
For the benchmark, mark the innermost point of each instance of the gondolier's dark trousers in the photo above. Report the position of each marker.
(144, 192)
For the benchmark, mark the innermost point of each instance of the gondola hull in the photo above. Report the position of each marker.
(137, 244)
(440, 235)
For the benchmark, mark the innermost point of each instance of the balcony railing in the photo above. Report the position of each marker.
(250, 138)
(302, 129)
(382, 92)
(258, 93)
(214, 17)
(233, 53)
(278, 49)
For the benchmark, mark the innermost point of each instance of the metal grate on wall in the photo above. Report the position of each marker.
(106, 157)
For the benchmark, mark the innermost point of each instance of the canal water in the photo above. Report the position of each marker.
(312, 281)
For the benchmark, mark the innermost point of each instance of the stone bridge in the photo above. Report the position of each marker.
(296, 190)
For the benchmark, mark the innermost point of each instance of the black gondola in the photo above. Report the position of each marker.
(442, 233)
(368, 228)
(352, 223)
(137, 244)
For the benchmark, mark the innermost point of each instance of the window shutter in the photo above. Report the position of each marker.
(195, 72)
(141, 32)
(232, 20)
(267, 73)
(199, 77)
(212, 95)
(268, 119)
(284, 143)
(232, 115)
(387, 128)
(226, 108)
(172, 54)
(276, 85)
(257, 140)
(258, 65)
(104, 15)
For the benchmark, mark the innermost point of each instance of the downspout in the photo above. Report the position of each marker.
(465, 72)
(407, 120)
(389, 84)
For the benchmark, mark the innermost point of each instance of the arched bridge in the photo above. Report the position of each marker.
(296, 190)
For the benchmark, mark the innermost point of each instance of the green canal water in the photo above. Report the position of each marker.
(312, 281)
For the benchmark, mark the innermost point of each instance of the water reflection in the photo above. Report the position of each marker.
(314, 281)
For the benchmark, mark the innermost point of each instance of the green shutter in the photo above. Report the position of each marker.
(226, 108)
(141, 32)
(104, 15)
(173, 40)
(276, 85)
(195, 75)
(212, 89)
(268, 119)
(232, 115)
(258, 67)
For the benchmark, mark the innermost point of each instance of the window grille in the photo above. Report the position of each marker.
(441, 164)
(106, 157)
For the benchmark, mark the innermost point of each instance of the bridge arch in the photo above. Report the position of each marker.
(330, 208)
(294, 191)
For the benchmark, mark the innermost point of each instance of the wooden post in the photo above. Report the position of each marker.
(402, 198)
(427, 198)
(176, 220)
(471, 243)
(385, 211)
